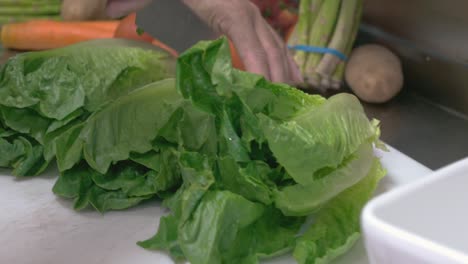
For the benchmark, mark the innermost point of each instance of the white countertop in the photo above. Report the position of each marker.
(36, 227)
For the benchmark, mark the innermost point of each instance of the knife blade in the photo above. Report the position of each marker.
(174, 24)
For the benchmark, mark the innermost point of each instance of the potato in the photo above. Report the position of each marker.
(374, 73)
(78, 10)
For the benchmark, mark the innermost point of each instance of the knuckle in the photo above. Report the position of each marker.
(221, 22)
(275, 52)
(257, 56)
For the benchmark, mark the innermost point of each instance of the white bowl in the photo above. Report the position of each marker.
(423, 222)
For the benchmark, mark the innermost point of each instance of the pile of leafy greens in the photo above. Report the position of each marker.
(242, 163)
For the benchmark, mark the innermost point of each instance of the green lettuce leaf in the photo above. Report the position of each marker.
(336, 226)
(21, 153)
(26, 121)
(125, 185)
(129, 124)
(319, 139)
(46, 95)
(57, 82)
(291, 199)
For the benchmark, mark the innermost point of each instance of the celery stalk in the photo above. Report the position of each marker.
(15, 19)
(17, 3)
(308, 10)
(341, 38)
(47, 9)
(337, 77)
(319, 35)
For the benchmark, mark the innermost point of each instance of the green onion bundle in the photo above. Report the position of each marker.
(330, 24)
(25, 10)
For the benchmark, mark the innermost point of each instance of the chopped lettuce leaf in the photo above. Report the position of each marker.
(336, 226)
(291, 200)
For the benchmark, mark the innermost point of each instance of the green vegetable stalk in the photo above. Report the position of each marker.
(308, 11)
(12, 11)
(5, 19)
(330, 24)
(337, 78)
(339, 40)
(28, 2)
(33, 9)
(320, 34)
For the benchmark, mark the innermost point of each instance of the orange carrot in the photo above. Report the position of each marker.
(236, 60)
(47, 34)
(165, 47)
(127, 29)
(110, 25)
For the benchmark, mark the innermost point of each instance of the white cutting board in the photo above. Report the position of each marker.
(36, 227)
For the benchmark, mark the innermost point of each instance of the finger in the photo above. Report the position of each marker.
(277, 60)
(244, 37)
(118, 8)
(286, 56)
(294, 74)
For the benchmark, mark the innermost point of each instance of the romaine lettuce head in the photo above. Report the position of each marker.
(241, 162)
(44, 94)
(282, 155)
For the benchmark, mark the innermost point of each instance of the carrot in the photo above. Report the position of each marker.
(46, 34)
(236, 60)
(110, 25)
(165, 47)
(127, 29)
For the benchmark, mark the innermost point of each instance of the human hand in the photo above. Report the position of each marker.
(260, 48)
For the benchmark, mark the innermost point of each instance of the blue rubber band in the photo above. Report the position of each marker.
(320, 50)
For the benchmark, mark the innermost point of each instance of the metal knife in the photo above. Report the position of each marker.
(174, 24)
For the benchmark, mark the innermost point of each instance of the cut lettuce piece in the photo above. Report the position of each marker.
(25, 121)
(302, 200)
(21, 153)
(321, 138)
(210, 234)
(129, 124)
(251, 182)
(336, 225)
(125, 185)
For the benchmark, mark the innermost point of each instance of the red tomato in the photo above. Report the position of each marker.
(128, 29)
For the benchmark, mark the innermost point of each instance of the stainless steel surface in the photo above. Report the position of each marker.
(174, 24)
(431, 38)
(431, 134)
(442, 80)
(437, 25)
